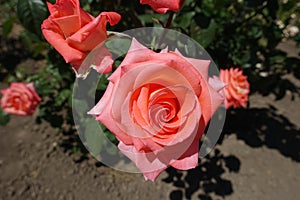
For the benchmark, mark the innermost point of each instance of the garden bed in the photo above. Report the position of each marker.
(258, 159)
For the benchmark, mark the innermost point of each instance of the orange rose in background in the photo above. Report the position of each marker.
(158, 105)
(237, 89)
(20, 99)
(74, 32)
(162, 6)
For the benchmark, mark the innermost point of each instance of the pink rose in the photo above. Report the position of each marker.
(74, 32)
(162, 6)
(238, 88)
(20, 99)
(158, 105)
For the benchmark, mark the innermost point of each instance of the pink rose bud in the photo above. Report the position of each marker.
(162, 6)
(238, 88)
(74, 32)
(158, 105)
(20, 99)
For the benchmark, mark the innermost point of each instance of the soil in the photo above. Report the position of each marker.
(258, 157)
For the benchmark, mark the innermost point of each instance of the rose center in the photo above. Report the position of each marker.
(155, 108)
(17, 103)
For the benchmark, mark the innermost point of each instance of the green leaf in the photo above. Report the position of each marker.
(4, 118)
(31, 14)
(94, 141)
(206, 36)
(62, 96)
(52, 1)
(118, 46)
(7, 26)
(39, 48)
(81, 107)
(188, 2)
(103, 82)
(111, 137)
(151, 18)
(111, 150)
(184, 21)
(29, 40)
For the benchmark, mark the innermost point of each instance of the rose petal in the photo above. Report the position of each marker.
(99, 59)
(20, 99)
(69, 24)
(93, 33)
(216, 83)
(59, 43)
(189, 159)
(238, 88)
(136, 53)
(162, 6)
(201, 65)
(148, 163)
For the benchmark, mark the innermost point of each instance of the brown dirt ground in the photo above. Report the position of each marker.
(259, 158)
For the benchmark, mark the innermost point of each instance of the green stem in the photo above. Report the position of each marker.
(169, 22)
(167, 25)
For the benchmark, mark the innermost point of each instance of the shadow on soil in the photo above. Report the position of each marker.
(207, 177)
(264, 127)
(257, 128)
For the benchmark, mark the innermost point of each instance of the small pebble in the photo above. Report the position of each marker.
(70, 172)
(23, 189)
(47, 190)
(11, 192)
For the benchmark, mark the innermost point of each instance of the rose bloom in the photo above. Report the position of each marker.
(237, 89)
(20, 99)
(162, 6)
(158, 105)
(74, 32)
